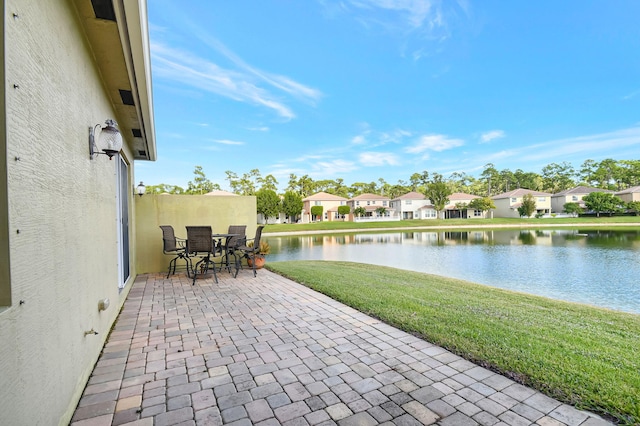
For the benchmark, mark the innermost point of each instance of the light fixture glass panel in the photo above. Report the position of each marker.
(110, 139)
(140, 189)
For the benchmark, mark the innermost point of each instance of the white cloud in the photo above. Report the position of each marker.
(436, 143)
(243, 84)
(207, 76)
(598, 145)
(173, 135)
(281, 82)
(359, 139)
(309, 157)
(375, 138)
(227, 142)
(376, 159)
(414, 12)
(631, 95)
(415, 22)
(282, 172)
(395, 136)
(616, 144)
(259, 129)
(322, 169)
(491, 135)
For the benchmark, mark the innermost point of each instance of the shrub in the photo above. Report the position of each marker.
(264, 249)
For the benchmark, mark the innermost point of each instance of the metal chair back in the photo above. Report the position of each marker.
(170, 243)
(240, 238)
(200, 243)
(199, 239)
(174, 246)
(252, 252)
(256, 239)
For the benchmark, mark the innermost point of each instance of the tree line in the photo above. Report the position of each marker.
(608, 174)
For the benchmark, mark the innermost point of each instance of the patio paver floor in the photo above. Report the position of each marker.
(268, 351)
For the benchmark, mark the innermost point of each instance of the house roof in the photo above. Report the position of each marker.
(580, 190)
(324, 196)
(631, 190)
(461, 196)
(519, 193)
(118, 36)
(369, 197)
(411, 196)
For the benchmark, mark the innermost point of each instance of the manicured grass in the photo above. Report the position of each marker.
(632, 221)
(581, 355)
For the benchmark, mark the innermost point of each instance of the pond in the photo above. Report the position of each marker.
(596, 267)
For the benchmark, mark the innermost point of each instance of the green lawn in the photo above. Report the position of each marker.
(632, 221)
(584, 356)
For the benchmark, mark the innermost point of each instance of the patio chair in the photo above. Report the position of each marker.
(250, 252)
(174, 247)
(237, 237)
(200, 243)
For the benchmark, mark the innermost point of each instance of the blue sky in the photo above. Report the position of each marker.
(369, 89)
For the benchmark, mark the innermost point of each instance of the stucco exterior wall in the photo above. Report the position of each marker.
(558, 202)
(5, 278)
(629, 196)
(326, 206)
(503, 208)
(412, 209)
(62, 230)
(185, 210)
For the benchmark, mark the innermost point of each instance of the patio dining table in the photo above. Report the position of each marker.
(201, 242)
(226, 249)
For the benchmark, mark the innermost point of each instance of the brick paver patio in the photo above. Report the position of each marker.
(268, 351)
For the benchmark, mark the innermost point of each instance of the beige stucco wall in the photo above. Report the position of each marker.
(326, 206)
(503, 208)
(629, 196)
(185, 210)
(61, 216)
(558, 202)
(5, 287)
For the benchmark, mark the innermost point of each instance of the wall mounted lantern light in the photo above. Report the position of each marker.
(140, 189)
(110, 140)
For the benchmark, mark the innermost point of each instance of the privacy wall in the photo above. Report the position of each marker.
(180, 211)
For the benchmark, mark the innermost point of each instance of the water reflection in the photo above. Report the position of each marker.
(598, 267)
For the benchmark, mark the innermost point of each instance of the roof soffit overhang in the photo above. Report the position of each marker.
(117, 34)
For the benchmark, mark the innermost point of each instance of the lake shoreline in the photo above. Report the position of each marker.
(444, 227)
(567, 262)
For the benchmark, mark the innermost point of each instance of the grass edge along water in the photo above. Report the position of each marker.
(578, 354)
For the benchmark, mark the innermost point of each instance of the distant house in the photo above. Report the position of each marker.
(573, 195)
(329, 203)
(507, 203)
(629, 194)
(372, 202)
(455, 209)
(412, 206)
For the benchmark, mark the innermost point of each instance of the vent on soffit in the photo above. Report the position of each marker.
(126, 96)
(137, 133)
(104, 9)
(142, 153)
